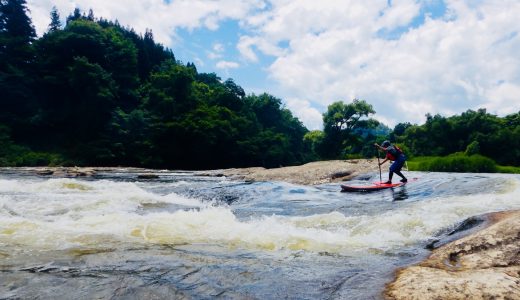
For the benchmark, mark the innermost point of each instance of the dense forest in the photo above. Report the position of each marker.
(93, 92)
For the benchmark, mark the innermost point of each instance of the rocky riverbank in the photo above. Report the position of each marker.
(483, 265)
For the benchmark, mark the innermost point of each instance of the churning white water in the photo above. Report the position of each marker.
(273, 239)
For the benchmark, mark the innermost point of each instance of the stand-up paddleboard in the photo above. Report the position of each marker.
(369, 188)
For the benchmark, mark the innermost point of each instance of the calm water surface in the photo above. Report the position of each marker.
(184, 236)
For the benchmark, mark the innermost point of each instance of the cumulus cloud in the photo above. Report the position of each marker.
(244, 46)
(444, 65)
(303, 110)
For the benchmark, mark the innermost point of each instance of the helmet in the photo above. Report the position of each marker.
(385, 144)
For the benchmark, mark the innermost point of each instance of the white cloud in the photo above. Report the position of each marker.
(400, 13)
(244, 46)
(160, 16)
(213, 55)
(218, 47)
(227, 65)
(446, 65)
(303, 111)
(506, 99)
(218, 50)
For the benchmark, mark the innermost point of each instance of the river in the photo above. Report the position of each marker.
(184, 236)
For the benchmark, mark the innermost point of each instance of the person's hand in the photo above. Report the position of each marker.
(375, 144)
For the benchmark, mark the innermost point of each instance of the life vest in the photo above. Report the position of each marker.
(393, 152)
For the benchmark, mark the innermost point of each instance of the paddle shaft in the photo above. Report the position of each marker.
(379, 165)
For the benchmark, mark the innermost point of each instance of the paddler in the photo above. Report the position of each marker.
(393, 153)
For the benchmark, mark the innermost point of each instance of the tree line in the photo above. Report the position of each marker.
(472, 132)
(92, 92)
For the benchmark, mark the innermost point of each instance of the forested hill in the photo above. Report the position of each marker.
(92, 92)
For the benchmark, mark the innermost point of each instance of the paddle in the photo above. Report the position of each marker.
(379, 165)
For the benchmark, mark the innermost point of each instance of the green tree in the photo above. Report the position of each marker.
(106, 47)
(76, 15)
(90, 15)
(16, 34)
(168, 94)
(312, 141)
(273, 118)
(55, 20)
(342, 123)
(130, 140)
(17, 100)
(472, 149)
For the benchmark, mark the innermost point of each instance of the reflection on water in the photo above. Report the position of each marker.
(400, 193)
(187, 236)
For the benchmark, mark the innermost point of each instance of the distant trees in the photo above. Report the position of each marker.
(55, 20)
(472, 132)
(347, 127)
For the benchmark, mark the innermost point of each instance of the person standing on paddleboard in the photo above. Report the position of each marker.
(393, 153)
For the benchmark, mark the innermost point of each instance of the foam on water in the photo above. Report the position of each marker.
(68, 213)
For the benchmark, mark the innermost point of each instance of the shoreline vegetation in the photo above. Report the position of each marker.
(459, 163)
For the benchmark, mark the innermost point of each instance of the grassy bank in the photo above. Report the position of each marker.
(459, 162)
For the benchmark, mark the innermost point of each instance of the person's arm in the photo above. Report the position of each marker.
(382, 149)
(379, 147)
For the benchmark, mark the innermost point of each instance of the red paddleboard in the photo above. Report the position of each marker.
(369, 188)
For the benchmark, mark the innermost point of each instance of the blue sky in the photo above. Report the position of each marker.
(207, 48)
(405, 57)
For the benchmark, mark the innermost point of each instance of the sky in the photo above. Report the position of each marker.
(406, 58)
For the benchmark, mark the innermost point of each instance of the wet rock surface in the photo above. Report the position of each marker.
(60, 171)
(483, 265)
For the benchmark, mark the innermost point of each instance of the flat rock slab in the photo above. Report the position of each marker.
(313, 173)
